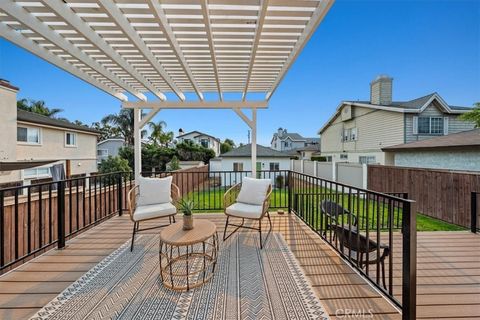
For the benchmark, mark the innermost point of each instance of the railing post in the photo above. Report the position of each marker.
(61, 214)
(473, 211)
(409, 262)
(289, 190)
(120, 195)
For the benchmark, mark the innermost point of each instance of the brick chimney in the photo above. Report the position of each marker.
(381, 90)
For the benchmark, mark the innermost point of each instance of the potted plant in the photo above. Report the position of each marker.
(186, 207)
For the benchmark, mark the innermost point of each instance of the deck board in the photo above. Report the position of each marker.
(448, 271)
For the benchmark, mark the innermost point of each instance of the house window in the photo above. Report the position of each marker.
(430, 125)
(349, 134)
(36, 173)
(274, 166)
(238, 166)
(102, 152)
(28, 135)
(70, 139)
(343, 156)
(204, 143)
(367, 159)
(328, 158)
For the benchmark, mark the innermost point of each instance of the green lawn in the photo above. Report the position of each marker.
(372, 211)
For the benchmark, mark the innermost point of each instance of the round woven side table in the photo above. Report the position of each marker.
(188, 257)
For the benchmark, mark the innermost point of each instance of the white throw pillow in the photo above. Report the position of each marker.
(154, 190)
(253, 191)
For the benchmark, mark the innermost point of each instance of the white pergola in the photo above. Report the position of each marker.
(169, 46)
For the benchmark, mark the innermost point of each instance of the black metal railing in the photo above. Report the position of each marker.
(362, 225)
(34, 218)
(206, 188)
(474, 204)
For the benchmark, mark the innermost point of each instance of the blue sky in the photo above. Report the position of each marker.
(425, 46)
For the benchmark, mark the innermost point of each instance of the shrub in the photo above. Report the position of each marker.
(174, 164)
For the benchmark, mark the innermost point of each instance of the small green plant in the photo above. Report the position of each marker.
(186, 207)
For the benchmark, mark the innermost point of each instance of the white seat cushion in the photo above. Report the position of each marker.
(154, 211)
(154, 190)
(253, 191)
(244, 210)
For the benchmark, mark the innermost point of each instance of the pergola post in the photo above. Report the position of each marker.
(254, 142)
(137, 143)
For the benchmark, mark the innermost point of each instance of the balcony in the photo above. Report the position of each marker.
(83, 218)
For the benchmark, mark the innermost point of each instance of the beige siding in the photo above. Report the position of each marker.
(82, 157)
(454, 123)
(375, 128)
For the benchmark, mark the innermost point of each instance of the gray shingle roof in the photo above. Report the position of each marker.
(31, 117)
(245, 151)
(469, 138)
(414, 104)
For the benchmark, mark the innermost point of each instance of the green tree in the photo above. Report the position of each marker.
(473, 115)
(106, 130)
(158, 136)
(114, 164)
(227, 145)
(39, 107)
(189, 151)
(122, 123)
(174, 164)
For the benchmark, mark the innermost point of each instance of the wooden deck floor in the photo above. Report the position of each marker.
(448, 268)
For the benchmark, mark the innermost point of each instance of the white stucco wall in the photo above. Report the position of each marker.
(451, 160)
(231, 179)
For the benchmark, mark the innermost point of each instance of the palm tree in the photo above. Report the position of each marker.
(158, 135)
(123, 122)
(157, 131)
(38, 107)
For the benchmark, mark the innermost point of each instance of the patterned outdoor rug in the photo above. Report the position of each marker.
(249, 283)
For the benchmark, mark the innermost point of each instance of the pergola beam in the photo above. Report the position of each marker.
(33, 23)
(252, 123)
(258, 32)
(168, 32)
(196, 105)
(125, 25)
(64, 11)
(149, 116)
(211, 45)
(27, 44)
(310, 28)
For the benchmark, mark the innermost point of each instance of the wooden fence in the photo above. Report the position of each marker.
(28, 215)
(440, 194)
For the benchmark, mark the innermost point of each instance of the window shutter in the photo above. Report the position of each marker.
(415, 125)
(445, 125)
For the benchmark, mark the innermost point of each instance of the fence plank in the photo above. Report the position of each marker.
(440, 194)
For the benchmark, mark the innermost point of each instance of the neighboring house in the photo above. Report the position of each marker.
(306, 153)
(200, 138)
(359, 130)
(240, 159)
(287, 141)
(457, 151)
(109, 147)
(29, 137)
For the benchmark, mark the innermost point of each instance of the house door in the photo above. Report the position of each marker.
(259, 168)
